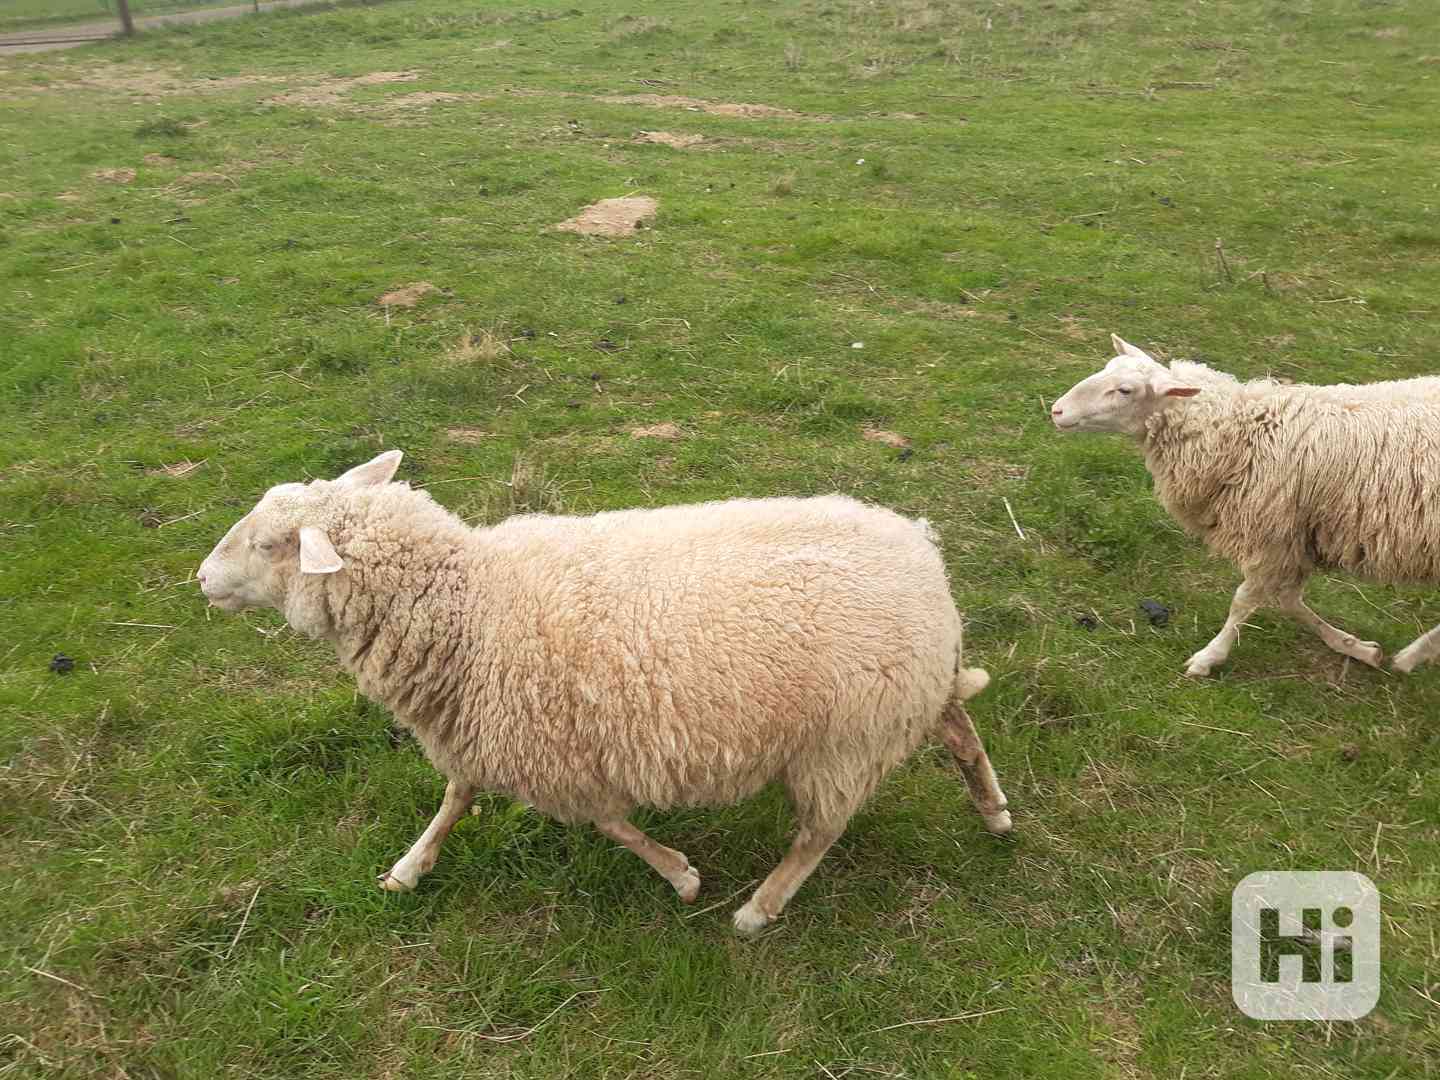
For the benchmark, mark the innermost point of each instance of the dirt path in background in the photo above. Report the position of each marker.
(72, 35)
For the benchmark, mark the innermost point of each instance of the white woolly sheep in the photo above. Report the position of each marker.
(1283, 480)
(590, 665)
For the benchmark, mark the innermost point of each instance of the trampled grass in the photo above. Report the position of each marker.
(193, 817)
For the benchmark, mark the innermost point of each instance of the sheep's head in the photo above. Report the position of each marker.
(254, 565)
(1122, 396)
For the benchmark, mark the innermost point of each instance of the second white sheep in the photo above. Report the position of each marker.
(1283, 480)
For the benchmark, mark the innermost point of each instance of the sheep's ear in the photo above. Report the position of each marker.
(317, 554)
(1166, 386)
(374, 472)
(1124, 348)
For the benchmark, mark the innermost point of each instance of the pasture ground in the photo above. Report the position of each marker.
(196, 230)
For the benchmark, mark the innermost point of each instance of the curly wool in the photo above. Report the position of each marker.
(668, 657)
(1288, 479)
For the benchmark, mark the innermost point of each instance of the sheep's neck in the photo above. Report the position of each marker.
(1190, 463)
(400, 632)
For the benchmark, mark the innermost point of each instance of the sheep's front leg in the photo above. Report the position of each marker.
(418, 861)
(808, 848)
(1367, 652)
(670, 864)
(1247, 599)
(1425, 647)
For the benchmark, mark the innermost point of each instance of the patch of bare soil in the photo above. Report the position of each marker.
(666, 430)
(611, 217)
(423, 99)
(147, 83)
(711, 108)
(113, 176)
(469, 435)
(160, 160)
(330, 92)
(889, 438)
(669, 138)
(407, 296)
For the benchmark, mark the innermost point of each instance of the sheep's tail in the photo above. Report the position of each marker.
(969, 681)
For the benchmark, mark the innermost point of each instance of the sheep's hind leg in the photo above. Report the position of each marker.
(1425, 647)
(1367, 652)
(670, 864)
(417, 862)
(808, 848)
(1246, 600)
(958, 732)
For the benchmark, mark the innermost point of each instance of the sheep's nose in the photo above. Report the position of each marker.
(200, 575)
(1057, 411)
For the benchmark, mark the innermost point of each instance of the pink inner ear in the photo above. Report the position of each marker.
(317, 556)
(1182, 391)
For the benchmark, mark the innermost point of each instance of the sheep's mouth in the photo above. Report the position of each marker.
(224, 601)
(1067, 425)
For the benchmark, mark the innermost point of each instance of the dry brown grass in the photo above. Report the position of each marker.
(485, 345)
(113, 176)
(531, 489)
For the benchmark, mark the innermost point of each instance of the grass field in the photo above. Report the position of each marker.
(192, 819)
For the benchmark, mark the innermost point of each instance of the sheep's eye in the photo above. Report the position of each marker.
(1124, 390)
(265, 545)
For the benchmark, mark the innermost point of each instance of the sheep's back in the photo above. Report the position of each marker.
(1305, 478)
(1370, 490)
(691, 654)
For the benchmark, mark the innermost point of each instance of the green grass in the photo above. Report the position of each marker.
(191, 821)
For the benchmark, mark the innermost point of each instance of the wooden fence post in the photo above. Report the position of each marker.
(125, 21)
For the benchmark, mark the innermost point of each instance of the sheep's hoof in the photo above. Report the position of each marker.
(750, 920)
(1405, 661)
(1369, 652)
(688, 887)
(1198, 667)
(999, 822)
(391, 882)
